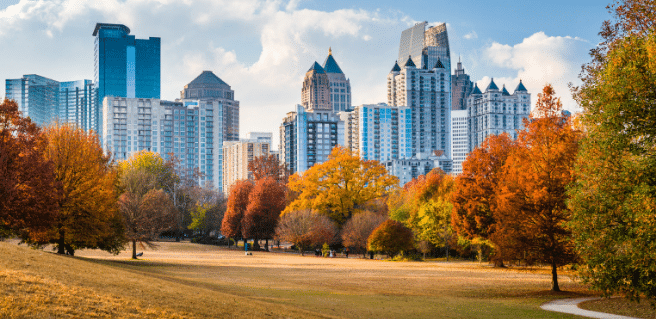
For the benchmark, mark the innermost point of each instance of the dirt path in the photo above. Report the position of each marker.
(570, 306)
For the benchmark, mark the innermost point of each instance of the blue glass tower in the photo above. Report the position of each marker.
(124, 66)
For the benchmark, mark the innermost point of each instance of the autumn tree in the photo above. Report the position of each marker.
(305, 228)
(236, 207)
(268, 166)
(265, 203)
(147, 210)
(28, 191)
(359, 227)
(181, 187)
(210, 208)
(532, 212)
(88, 215)
(340, 186)
(613, 201)
(391, 237)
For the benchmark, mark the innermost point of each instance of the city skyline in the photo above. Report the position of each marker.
(266, 60)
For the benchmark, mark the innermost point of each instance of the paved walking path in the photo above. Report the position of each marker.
(571, 306)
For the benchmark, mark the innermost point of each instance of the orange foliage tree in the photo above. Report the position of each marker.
(304, 228)
(532, 212)
(341, 186)
(88, 215)
(236, 207)
(391, 237)
(265, 202)
(268, 166)
(28, 191)
(358, 228)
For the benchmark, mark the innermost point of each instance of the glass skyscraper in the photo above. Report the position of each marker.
(124, 66)
(425, 46)
(44, 100)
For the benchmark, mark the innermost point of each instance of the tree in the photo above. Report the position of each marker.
(147, 211)
(474, 195)
(28, 191)
(614, 197)
(88, 215)
(181, 188)
(268, 166)
(340, 186)
(532, 212)
(265, 203)
(391, 237)
(237, 205)
(357, 229)
(305, 228)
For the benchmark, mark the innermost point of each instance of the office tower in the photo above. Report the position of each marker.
(208, 86)
(340, 86)
(381, 132)
(326, 87)
(460, 140)
(496, 111)
(308, 136)
(406, 169)
(263, 137)
(77, 103)
(191, 130)
(124, 66)
(426, 44)
(427, 93)
(461, 87)
(45, 100)
(37, 97)
(237, 155)
(315, 94)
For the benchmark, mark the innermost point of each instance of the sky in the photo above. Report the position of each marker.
(262, 49)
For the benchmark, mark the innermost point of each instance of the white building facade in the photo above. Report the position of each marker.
(460, 140)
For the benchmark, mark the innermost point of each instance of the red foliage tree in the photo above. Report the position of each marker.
(358, 228)
(391, 237)
(268, 166)
(28, 191)
(237, 205)
(266, 201)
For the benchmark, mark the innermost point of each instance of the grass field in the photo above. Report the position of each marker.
(183, 280)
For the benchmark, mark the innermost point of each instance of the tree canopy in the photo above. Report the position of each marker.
(340, 186)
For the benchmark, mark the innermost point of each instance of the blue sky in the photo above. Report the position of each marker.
(263, 48)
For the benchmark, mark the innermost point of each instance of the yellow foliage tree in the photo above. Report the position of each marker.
(340, 186)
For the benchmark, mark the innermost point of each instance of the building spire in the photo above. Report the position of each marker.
(330, 51)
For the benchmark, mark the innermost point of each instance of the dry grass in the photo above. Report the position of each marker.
(188, 280)
(622, 306)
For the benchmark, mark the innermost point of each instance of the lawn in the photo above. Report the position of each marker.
(183, 280)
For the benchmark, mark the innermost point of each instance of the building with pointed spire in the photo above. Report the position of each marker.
(496, 111)
(315, 94)
(461, 87)
(209, 87)
(427, 93)
(340, 86)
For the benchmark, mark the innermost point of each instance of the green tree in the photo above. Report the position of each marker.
(340, 186)
(614, 198)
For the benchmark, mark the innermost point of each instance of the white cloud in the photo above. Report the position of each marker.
(471, 35)
(541, 59)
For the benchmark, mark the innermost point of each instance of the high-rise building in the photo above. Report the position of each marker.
(308, 136)
(380, 132)
(326, 87)
(208, 86)
(407, 169)
(426, 92)
(496, 111)
(45, 100)
(460, 140)
(426, 44)
(340, 86)
(125, 66)
(461, 87)
(191, 130)
(237, 155)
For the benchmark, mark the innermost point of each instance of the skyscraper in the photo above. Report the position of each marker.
(340, 86)
(426, 46)
(208, 86)
(461, 86)
(125, 66)
(237, 155)
(427, 93)
(460, 140)
(495, 111)
(45, 100)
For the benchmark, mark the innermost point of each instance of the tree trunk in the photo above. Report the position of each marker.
(266, 245)
(447, 252)
(69, 250)
(134, 249)
(228, 242)
(302, 250)
(256, 244)
(61, 243)
(554, 277)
